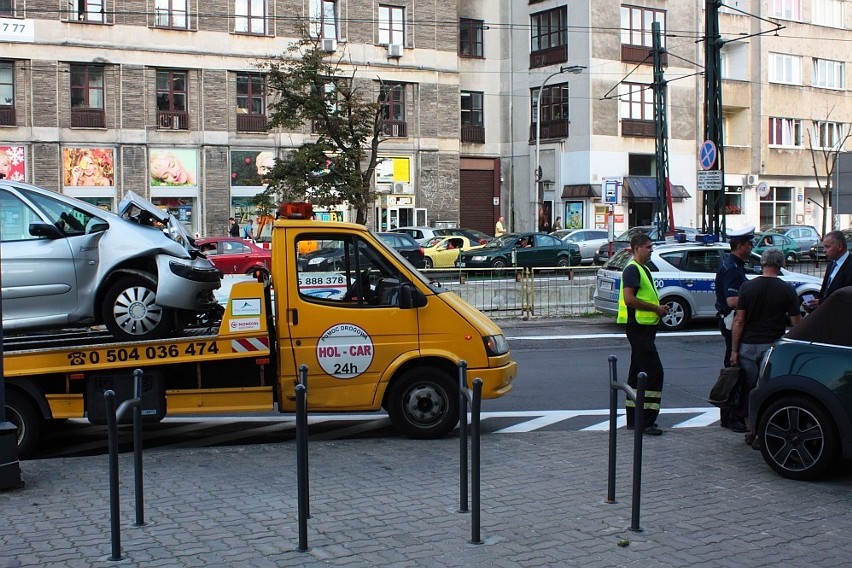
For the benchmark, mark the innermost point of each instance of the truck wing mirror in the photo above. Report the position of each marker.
(410, 297)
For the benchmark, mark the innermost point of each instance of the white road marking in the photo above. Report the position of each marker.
(612, 335)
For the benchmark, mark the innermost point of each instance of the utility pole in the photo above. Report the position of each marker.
(663, 212)
(714, 210)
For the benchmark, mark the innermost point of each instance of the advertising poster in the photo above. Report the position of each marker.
(574, 215)
(13, 162)
(249, 167)
(88, 167)
(173, 167)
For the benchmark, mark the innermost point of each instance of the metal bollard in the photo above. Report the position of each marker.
(303, 380)
(613, 426)
(638, 421)
(137, 448)
(463, 394)
(114, 505)
(301, 458)
(476, 406)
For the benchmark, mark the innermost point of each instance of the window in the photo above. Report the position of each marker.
(472, 124)
(251, 103)
(734, 58)
(87, 96)
(636, 109)
(171, 14)
(549, 37)
(829, 74)
(7, 93)
(785, 68)
(391, 25)
(172, 100)
(553, 112)
(86, 10)
(777, 207)
(470, 38)
(250, 17)
(785, 132)
(323, 19)
(7, 8)
(393, 109)
(637, 33)
(828, 13)
(785, 9)
(828, 135)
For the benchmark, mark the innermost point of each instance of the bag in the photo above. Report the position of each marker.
(729, 320)
(729, 388)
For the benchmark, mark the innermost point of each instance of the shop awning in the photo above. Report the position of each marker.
(581, 191)
(644, 189)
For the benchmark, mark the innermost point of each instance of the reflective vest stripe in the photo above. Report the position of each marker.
(646, 292)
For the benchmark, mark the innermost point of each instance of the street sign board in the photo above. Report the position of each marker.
(709, 180)
(612, 190)
(707, 155)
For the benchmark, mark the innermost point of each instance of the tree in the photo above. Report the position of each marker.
(830, 139)
(308, 85)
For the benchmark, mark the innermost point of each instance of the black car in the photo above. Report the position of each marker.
(622, 241)
(472, 234)
(406, 246)
(817, 251)
(522, 249)
(802, 406)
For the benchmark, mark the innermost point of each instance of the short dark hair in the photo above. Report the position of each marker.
(838, 237)
(639, 240)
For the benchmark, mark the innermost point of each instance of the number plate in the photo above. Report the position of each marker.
(605, 285)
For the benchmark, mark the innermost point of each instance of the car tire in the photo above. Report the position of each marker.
(423, 403)
(792, 257)
(21, 412)
(798, 437)
(498, 263)
(130, 310)
(678, 315)
(427, 263)
(563, 262)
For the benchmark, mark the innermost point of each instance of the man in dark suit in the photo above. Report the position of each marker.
(839, 272)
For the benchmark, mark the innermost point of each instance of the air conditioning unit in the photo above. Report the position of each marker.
(403, 189)
(752, 179)
(394, 50)
(329, 45)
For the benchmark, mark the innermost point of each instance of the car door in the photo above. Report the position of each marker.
(546, 250)
(39, 274)
(234, 257)
(698, 278)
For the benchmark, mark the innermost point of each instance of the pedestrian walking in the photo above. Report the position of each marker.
(763, 306)
(839, 272)
(248, 230)
(640, 310)
(729, 277)
(557, 225)
(499, 229)
(233, 227)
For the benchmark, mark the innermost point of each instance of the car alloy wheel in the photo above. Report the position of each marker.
(678, 315)
(130, 309)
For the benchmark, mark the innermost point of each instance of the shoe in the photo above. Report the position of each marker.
(652, 431)
(739, 427)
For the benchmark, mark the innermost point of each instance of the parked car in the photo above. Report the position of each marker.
(685, 276)
(806, 235)
(443, 252)
(406, 246)
(417, 233)
(622, 241)
(589, 240)
(802, 406)
(233, 255)
(509, 250)
(817, 251)
(790, 248)
(422, 234)
(69, 263)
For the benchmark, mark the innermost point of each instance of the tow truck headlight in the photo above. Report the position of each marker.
(496, 345)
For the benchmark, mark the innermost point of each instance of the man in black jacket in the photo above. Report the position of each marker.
(839, 272)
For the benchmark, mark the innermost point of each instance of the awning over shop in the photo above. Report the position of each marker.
(644, 189)
(581, 191)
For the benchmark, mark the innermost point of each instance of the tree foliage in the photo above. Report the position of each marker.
(310, 88)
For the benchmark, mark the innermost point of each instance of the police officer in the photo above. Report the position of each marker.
(729, 277)
(640, 310)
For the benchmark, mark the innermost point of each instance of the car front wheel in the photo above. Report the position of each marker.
(130, 309)
(798, 437)
(678, 315)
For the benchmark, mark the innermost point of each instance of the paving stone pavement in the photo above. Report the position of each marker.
(707, 500)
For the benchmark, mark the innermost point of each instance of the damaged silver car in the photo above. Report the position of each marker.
(68, 263)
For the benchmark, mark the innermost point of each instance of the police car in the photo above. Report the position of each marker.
(685, 277)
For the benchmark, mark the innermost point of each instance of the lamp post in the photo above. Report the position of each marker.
(537, 172)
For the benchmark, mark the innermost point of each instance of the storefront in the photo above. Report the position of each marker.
(88, 173)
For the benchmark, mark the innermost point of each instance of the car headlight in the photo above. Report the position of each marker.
(496, 345)
(478, 258)
(317, 260)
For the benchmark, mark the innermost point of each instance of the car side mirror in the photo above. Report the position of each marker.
(410, 297)
(47, 230)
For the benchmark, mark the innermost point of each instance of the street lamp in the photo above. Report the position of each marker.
(574, 69)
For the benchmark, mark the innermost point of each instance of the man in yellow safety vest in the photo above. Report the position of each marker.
(640, 310)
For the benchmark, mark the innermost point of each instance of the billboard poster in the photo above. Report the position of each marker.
(574, 215)
(249, 167)
(13, 162)
(173, 167)
(88, 167)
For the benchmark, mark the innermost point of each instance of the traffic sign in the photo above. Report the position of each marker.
(612, 190)
(709, 180)
(707, 155)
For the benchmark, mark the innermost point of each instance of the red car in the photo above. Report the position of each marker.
(233, 255)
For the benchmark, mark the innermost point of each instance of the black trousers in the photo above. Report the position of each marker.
(724, 413)
(644, 358)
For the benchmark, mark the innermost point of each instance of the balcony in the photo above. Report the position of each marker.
(7, 116)
(394, 128)
(550, 56)
(640, 54)
(550, 129)
(88, 118)
(472, 133)
(251, 122)
(172, 120)
(638, 128)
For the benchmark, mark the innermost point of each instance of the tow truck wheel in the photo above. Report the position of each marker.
(424, 403)
(21, 413)
(130, 309)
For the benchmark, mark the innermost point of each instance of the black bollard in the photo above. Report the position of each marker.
(301, 458)
(463, 394)
(476, 406)
(303, 380)
(613, 428)
(137, 447)
(114, 505)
